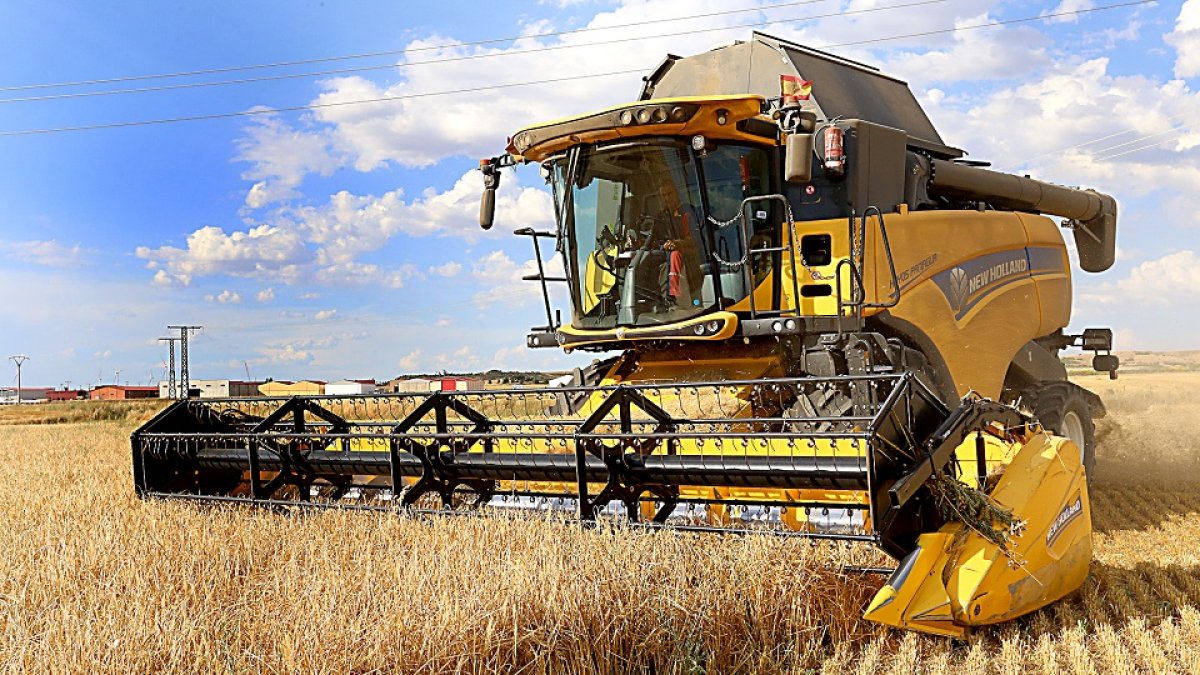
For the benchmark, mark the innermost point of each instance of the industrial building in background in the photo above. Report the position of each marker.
(27, 395)
(122, 392)
(212, 389)
(427, 384)
(824, 322)
(350, 387)
(289, 388)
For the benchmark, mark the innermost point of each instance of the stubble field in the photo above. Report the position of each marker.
(91, 579)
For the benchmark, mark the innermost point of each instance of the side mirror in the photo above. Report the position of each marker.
(1106, 363)
(487, 202)
(487, 208)
(797, 159)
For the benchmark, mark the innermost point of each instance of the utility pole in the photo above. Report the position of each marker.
(20, 360)
(171, 378)
(184, 380)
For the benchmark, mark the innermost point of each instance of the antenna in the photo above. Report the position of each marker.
(247, 364)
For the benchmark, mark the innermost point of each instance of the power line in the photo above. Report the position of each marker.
(1101, 153)
(394, 52)
(471, 57)
(1171, 134)
(1174, 136)
(992, 24)
(314, 106)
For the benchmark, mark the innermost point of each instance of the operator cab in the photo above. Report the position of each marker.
(650, 228)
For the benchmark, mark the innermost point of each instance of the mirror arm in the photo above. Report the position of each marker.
(490, 168)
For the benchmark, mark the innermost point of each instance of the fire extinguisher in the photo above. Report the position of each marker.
(834, 158)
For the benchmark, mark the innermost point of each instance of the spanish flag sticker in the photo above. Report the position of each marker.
(794, 89)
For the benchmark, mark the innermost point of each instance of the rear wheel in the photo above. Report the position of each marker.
(1064, 409)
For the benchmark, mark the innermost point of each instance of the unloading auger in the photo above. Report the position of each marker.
(828, 325)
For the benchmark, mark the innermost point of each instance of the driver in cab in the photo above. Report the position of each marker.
(665, 238)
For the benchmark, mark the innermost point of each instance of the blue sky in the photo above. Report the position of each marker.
(341, 241)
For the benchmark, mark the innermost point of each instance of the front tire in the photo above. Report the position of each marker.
(1063, 408)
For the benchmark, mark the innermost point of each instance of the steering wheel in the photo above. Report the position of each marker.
(602, 258)
(604, 261)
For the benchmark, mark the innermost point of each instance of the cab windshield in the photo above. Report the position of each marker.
(651, 229)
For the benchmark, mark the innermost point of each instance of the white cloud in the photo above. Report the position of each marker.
(1081, 125)
(226, 297)
(1068, 6)
(354, 273)
(350, 225)
(1169, 280)
(450, 269)
(415, 130)
(506, 356)
(266, 295)
(410, 361)
(263, 251)
(1186, 39)
(499, 276)
(503, 290)
(461, 359)
(304, 350)
(325, 314)
(283, 354)
(280, 158)
(325, 242)
(974, 55)
(47, 253)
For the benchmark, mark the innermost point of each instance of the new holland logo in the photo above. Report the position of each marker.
(959, 288)
(967, 284)
(1070, 512)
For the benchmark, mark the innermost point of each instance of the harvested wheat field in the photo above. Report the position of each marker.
(91, 579)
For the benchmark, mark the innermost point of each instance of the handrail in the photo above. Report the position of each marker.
(541, 275)
(747, 252)
(894, 298)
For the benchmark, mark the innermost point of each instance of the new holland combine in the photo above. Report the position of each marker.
(824, 323)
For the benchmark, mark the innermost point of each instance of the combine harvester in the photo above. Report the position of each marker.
(828, 324)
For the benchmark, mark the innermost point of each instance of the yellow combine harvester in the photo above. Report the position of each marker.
(828, 324)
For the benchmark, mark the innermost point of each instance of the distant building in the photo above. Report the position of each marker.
(459, 384)
(66, 394)
(285, 388)
(118, 392)
(415, 384)
(213, 389)
(28, 395)
(422, 384)
(351, 387)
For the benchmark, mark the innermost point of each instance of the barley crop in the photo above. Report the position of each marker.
(91, 579)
